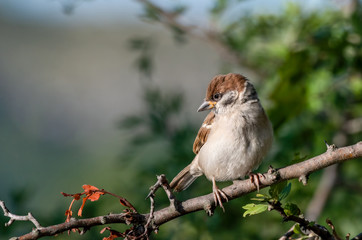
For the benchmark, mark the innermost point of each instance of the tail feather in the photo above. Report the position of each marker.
(182, 180)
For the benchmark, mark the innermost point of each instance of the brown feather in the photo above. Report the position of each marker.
(203, 133)
(182, 180)
(223, 83)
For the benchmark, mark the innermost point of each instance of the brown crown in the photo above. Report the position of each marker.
(224, 83)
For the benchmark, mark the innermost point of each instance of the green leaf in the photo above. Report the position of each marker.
(260, 197)
(276, 189)
(285, 192)
(296, 229)
(291, 209)
(311, 224)
(252, 209)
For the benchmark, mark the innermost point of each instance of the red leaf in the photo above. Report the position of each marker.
(81, 207)
(69, 214)
(113, 234)
(92, 192)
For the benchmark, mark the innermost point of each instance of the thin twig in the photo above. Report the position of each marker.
(161, 182)
(166, 187)
(14, 217)
(330, 224)
(317, 229)
(288, 234)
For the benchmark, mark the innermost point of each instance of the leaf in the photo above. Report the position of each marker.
(92, 192)
(276, 189)
(297, 230)
(285, 192)
(113, 234)
(125, 203)
(80, 211)
(69, 214)
(260, 197)
(291, 209)
(253, 209)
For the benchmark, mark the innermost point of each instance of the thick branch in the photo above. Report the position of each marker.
(125, 218)
(300, 170)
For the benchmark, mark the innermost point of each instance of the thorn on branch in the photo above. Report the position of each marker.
(330, 148)
(303, 179)
(272, 174)
(83, 231)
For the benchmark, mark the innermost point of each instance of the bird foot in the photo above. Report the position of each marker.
(219, 196)
(255, 179)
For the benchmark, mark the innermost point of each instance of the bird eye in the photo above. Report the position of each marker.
(216, 96)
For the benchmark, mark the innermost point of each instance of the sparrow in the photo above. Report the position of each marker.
(233, 139)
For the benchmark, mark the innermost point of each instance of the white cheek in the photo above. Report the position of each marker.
(227, 100)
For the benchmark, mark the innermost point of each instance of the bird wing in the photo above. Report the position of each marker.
(203, 132)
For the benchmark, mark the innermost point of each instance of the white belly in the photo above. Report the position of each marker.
(234, 149)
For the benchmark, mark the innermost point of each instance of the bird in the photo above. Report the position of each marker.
(233, 139)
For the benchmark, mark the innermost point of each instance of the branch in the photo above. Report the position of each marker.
(299, 170)
(317, 229)
(14, 217)
(240, 188)
(124, 218)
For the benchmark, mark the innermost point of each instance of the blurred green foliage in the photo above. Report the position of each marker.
(308, 65)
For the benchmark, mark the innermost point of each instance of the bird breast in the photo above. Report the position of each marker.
(237, 142)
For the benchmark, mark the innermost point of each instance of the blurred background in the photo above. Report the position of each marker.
(105, 93)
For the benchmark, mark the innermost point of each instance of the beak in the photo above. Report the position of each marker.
(206, 105)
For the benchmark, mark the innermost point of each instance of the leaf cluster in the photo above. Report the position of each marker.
(276, 194)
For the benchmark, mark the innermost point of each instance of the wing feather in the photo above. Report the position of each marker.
(203, 132)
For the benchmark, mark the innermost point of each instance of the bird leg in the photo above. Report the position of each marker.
(219, 195)
(255, 179)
